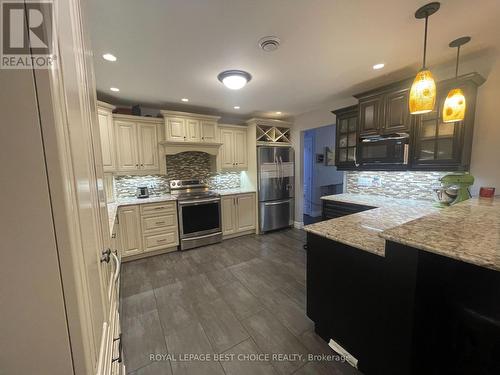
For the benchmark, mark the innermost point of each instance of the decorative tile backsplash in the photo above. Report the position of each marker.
(126, 186)
(411, 185)
(185, 165)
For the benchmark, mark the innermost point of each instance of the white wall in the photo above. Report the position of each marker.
(486, 145)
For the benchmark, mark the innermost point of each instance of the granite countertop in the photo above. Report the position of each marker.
(468, 231)
(361, 230)
(234, 191)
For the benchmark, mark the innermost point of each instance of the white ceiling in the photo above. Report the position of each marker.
(171, 49)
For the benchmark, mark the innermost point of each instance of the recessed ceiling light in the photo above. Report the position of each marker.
(236, 107)
(185, 99)
(378, 66)
(109, 57)
(234, 79)
(115, 89)
(278, 113)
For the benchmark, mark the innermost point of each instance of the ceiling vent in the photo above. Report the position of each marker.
(269, 43)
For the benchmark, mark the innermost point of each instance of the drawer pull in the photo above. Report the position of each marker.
(160, 208)
(162, 240)
(160, 222)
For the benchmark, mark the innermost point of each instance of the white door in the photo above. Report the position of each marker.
(176, 129)
(130, 232)
(208, 131)
(193, 130)
(240, 149)
(227, 149)
(228, 212)
(126, 142)
(148, 146)
(245, 212)
(107, 140)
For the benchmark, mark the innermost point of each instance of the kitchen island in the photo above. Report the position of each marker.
(407, 288)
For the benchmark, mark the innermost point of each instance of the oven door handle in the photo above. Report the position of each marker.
(195, 202)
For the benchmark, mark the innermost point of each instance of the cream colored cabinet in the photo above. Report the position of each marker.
(193, 130)
(130, 230)
(245, 212)
(238, 214)
(109, 187)
(228, 212)
(148, 146)
(147, 227)
(107, 135)
(137, 145)
(190, 127)
(233, 153)
(208, 131)
(176, 129)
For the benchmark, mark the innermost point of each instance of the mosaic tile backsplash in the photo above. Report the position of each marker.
(180, 166)
(410, 185)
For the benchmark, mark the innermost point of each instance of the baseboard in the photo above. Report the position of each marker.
(298, 224)
(228, 236)
(147, 254)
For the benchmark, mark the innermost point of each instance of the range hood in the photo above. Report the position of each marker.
(171, 148)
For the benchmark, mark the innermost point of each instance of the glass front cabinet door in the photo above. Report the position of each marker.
(346, 137)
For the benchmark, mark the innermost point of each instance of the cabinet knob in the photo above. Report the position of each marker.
(137, 165)
(142, 165)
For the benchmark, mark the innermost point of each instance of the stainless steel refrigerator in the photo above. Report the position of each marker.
(275, 178)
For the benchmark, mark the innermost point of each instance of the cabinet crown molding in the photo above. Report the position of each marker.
(166, 113)
(155, 120)
(105, 105)
(269, 122)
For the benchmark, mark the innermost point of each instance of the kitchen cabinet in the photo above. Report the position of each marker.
(148, 227)
(208, 131)
(437, 145)
(346, 137)
(190, 127)
(130, 230)
(334, 209)
(385, 110)
(137, 144)
(233, 152)
(238, 214)
(107, 136)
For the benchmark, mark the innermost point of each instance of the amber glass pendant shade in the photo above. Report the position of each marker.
(454, 106)
(422, 93)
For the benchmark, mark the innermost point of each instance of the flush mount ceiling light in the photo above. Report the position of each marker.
(109, 57)
(423, 89)
(278, 113)
(236, 107)
(269, 43)
(378, 66)
(185, 99)
(234, 79)
(454, 105)
(114, 89)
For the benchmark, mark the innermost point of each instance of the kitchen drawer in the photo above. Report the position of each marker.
(158, 208)
(160, 241)
(160, 222)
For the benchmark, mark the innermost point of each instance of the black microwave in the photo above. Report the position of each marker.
(384, 150)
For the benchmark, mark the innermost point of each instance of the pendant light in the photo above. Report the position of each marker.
(454, 105)
(423, 89)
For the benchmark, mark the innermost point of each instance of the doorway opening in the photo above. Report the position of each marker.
(321, 177)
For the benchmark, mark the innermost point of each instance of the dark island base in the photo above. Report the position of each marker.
(410, 312)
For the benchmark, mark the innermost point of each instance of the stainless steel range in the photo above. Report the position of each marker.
(199, 213)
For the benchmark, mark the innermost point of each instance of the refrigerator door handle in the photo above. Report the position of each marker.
(281, 172)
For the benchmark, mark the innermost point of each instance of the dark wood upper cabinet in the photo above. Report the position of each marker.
(434, 144)
(369, 115)
(385, 110)
(346, 137)
(438, 145)
(396, 112)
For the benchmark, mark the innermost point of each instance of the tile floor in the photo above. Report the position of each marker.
(242, 296)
